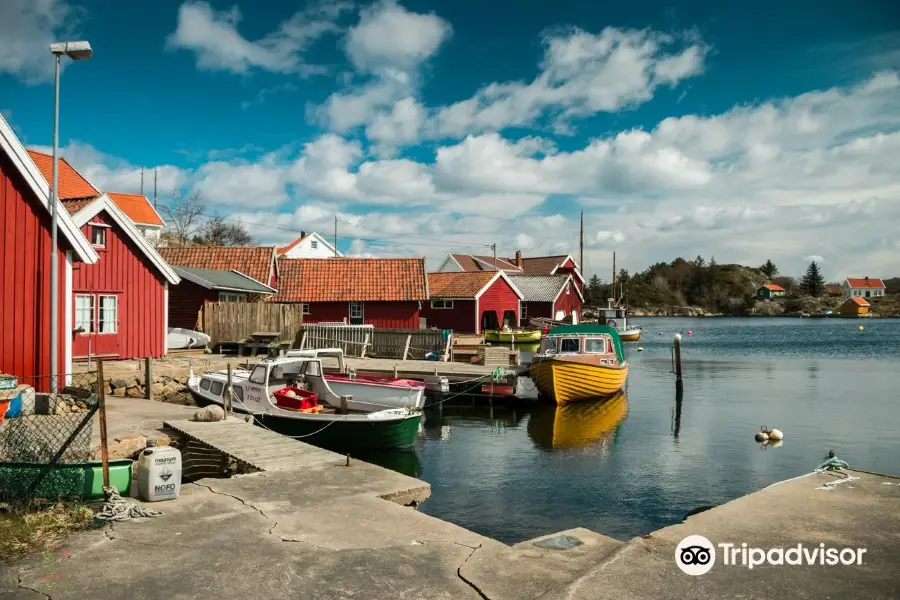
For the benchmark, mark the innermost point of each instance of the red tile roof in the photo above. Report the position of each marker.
(71, 183)
(855, 283)
(542, 265)
(461, 284)
(773, 287)
(469, 263)
(284, 250)
(858, 300)
(74, 206)
(137, 208)
(351, 280)
(255, 262)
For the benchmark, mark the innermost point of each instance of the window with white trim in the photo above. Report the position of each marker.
(84, 313)
(230, 297)
(314, 244)
(109, 314)
(305, 308)
(98, 236)
(442, 304)
(356, 310)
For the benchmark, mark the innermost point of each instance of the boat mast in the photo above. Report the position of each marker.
(612, 286)
(581, 244)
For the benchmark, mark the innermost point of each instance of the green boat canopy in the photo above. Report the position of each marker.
(592, 329)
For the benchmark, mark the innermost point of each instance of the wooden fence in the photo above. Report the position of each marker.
(366, 340)
(234, 321)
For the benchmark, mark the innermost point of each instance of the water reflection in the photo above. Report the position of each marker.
(579, 424)
(439, 421)
(402, 461)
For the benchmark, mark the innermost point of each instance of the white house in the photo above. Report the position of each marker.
(863, 288)
(145, 218)
(309, 245)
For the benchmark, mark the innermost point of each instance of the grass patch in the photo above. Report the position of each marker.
(34, 529)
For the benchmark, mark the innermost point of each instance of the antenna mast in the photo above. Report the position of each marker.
(581, 245)
(335, 236)
(494, 248)
(155, 174)
(613, 285)
(142, 181)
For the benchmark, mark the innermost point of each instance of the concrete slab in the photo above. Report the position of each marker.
(136, 416)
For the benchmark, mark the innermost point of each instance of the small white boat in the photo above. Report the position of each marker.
(182, 339)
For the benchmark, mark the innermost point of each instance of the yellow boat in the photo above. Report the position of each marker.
(577, 425)
(579, 362)
(512, 336)
(632, 334)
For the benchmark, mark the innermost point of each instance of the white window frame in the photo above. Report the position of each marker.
(98, 229)
(358, 305)
(305, 308)
(439, 304)
(523, 311)
(115, 311)
(232, 297)
(79, 313)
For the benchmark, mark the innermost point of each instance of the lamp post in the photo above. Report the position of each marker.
(75, 51)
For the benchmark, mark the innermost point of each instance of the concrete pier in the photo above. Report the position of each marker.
(326, 530)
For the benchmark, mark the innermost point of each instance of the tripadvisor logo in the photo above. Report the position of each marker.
(696, 555)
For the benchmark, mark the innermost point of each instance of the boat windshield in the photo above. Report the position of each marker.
(595, 345)
(548, 345)
(258, 375)
(570, 345)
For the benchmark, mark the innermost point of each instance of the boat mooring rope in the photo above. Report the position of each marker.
(117, 508)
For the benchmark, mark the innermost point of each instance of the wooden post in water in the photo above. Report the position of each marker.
(679, 385)
(101, 401)
(228, 389)
(148, 378)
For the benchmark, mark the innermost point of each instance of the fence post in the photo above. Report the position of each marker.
(148, 378)
(365, 346)
(101, 401)
(447, 348)
(303, 341)
(406, 348)
(228, 392)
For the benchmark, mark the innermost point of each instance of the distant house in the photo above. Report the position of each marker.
(554, 297)
(384, 292)
(309, 245)
(472, 302)
(769, 290)
(256, 262)
(562, 264)
(854, 307)
(137, 208)
(834, 290)
(199, 286)
(864, 287)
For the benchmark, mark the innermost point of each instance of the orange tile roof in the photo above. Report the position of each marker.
(71, 183)
(462, 284)
(255, 262)
(858, 300)
(137, 208)
(773, 287)
(285, 249)
(865, 283)
(74, 206)
(351, 280)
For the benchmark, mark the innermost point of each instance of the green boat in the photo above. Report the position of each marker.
(314, 414)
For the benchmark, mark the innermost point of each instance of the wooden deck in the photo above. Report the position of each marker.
(255, 446)
(417, 369)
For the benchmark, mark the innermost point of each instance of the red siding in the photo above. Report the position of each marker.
(124, 271)
(568, 303)
(25, 273)
(185, 302)
(538, 309)
(499, 298)
(393, 315)
(459, 318)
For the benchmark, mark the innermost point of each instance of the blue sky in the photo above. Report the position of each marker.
(744, 132)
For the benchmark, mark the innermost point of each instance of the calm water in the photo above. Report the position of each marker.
(641, 463)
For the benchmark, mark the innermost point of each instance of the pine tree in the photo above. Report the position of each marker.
(813, 283)
(592, 291)
(769, 269)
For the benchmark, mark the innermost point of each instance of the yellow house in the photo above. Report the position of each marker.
(855, 307)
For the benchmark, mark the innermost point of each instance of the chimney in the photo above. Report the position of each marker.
(302, 233)
(519, 258)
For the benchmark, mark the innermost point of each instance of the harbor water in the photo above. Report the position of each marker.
(641, 462)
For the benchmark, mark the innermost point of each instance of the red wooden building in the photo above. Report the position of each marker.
(25, 267)
(472, 301)
(199, 286)
(562, 264)
(256, 262)
(384, 292)
(556, 297)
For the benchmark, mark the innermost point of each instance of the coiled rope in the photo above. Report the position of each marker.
(117, 508)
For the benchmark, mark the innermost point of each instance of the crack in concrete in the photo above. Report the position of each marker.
(239, 499)
(21, 584)
(462, 577)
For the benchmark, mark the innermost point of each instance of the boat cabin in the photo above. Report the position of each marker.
(599, 346)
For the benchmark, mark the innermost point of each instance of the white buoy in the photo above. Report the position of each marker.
(774, 443)
(640, 349)
(775, 434)
(761, 436)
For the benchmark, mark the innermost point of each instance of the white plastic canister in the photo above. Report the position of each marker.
(159, 473)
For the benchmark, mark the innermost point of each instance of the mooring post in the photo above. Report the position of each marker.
(679, 385)
(228, 392)
(101, 403)
(344, 405)
(148, 378)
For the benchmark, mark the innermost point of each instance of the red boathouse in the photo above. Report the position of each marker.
(472, 301)
(556, 297)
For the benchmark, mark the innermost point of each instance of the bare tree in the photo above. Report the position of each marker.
(183, 217)
(216, 232)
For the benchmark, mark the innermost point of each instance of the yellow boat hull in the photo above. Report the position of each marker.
(630, 335)
(512, 337)
(572, 381)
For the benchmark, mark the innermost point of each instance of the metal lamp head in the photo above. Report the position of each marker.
(74, 50)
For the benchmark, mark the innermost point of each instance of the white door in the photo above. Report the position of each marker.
(574, 318)
(560, 315)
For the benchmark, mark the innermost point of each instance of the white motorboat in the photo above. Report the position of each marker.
(182, 339)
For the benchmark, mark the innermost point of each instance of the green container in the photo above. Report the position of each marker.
(82, 480)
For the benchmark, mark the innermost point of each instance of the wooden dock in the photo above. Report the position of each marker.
(257, 447)
(417, 369)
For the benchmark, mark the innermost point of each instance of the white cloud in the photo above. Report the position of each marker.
(399, 127)
(214, 37)
(27, 28)
(257, 184)
(390, 37)
(814, 258)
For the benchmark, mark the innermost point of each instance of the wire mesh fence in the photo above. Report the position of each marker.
(43, 433)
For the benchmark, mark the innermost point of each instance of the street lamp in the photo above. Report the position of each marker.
(75, 51)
